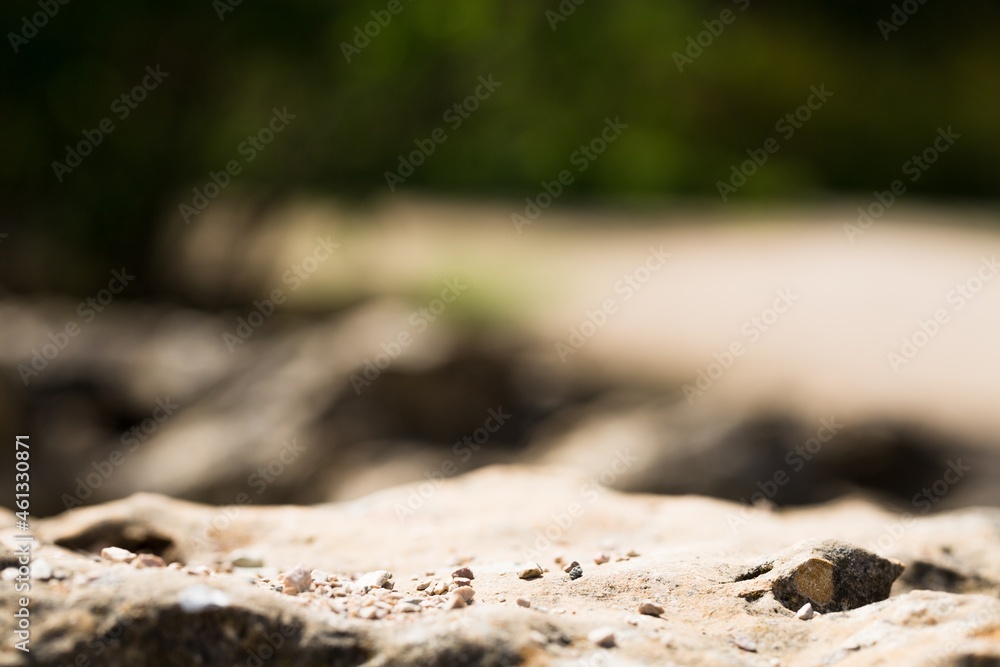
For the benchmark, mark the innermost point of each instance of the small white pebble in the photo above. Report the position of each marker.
(603, 637)
(9, 574)
(423, 584)
(117, 555)
(323, 576)
(806, 612)
(745, 643)
(456, 601)
(523, 602)
(376, 579)
(41, 570)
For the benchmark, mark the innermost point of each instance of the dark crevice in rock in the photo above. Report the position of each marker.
(755, 572)
(135, 537)
(925, 575)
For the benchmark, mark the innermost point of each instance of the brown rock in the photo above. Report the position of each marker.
(831, 575)
(530, 571)
(650, 608)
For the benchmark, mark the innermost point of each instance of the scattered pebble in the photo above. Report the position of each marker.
(148, 560)
(650, 608)
(199, 570)
(423, 584)
(295, 581)
(370, 613)
(570, 566)
(41, 570)
(603, 637)
(456, 601)
(463, 573)
(461, 581)
(745, 643)
(601, 558)
(576, 573)
(523, 602)
(538, 637)
(246, 559)
(531, 571)
(806, 612)
(9, 574)
(632, 553)
(117, 555)
(466, 592)
(323, 576)
(376, 579)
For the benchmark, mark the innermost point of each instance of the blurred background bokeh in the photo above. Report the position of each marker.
(325, 240)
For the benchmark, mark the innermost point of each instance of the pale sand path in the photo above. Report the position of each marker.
(826, 355)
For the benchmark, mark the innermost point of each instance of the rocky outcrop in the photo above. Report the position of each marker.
(429, 574)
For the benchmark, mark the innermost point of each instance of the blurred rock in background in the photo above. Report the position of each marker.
(291, 402)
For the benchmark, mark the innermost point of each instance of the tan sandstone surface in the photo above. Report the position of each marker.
(431, 574)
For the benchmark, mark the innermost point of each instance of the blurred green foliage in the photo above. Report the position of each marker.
(353, 119)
